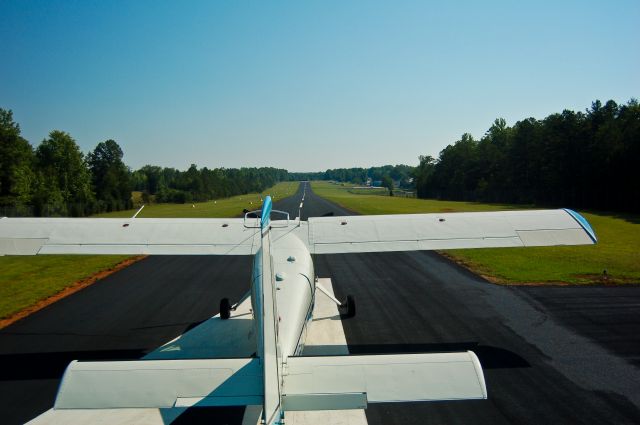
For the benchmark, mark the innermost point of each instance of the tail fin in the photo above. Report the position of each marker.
(265, 217)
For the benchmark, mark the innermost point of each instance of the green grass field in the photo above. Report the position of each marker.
(227, 207)
(26, 280)
(617, 251)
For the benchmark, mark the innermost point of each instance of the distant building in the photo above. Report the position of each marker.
(377, 183)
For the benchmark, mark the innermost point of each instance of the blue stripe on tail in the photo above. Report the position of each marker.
(265, 216)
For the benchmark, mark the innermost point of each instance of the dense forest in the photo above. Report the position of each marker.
(571, 159)
(57, 179)
(171, 185)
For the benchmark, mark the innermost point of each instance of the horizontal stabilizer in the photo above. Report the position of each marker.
(410, 232)
(153, 236)
(160, 383)
(350, 382)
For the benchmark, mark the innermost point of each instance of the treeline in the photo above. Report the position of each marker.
(171, 185)
(57, 179)
(573, 159)
(402, 174)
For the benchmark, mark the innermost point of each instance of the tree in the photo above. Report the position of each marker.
(423, 176)
(569, 159)
(64, 181)
(388, 183)
(110, 177)
(16, 162)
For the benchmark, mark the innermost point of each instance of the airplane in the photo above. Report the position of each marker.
(262, 363)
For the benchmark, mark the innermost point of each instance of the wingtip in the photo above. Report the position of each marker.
(583, 223)
(479, 372)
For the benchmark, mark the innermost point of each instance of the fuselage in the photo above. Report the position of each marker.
(295, 288)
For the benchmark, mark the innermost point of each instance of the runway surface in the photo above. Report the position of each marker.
(550, 355)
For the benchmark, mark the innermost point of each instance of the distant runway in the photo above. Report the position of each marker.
(551, 355)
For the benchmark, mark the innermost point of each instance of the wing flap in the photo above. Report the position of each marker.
(384, 378)
(21, 246)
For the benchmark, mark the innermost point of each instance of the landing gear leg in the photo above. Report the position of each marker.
(349, 306)
(225, 309)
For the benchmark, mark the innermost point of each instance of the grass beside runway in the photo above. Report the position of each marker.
(616, 252)
(25, 281)
(227, 207)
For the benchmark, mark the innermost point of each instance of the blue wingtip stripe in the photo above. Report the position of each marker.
(584, 223)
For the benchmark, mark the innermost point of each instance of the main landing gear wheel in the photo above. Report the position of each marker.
(225, 309)
(349, 306)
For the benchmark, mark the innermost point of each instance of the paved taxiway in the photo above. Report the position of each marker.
(551, 355)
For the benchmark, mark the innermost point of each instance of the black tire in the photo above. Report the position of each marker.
(351, 306)
(225, 309)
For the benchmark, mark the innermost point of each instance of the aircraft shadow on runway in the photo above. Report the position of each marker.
(24, 366)
(490, 357)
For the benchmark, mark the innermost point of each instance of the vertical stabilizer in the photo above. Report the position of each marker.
(265, 216)
(270, 350)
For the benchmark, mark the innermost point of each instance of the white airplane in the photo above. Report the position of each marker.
(262, 364)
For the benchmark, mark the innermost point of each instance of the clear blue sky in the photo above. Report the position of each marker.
(305, 85)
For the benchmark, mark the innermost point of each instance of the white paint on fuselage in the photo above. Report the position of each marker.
(295, 286)
(325, 336)
(294, 293)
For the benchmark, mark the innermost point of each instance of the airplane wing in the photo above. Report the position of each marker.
(323, 235)
(157, 236)
(409, 232)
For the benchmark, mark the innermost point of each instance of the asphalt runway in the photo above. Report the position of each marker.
(122, 317)
(550, 355)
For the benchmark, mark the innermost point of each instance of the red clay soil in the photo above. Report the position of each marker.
(75, 287)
